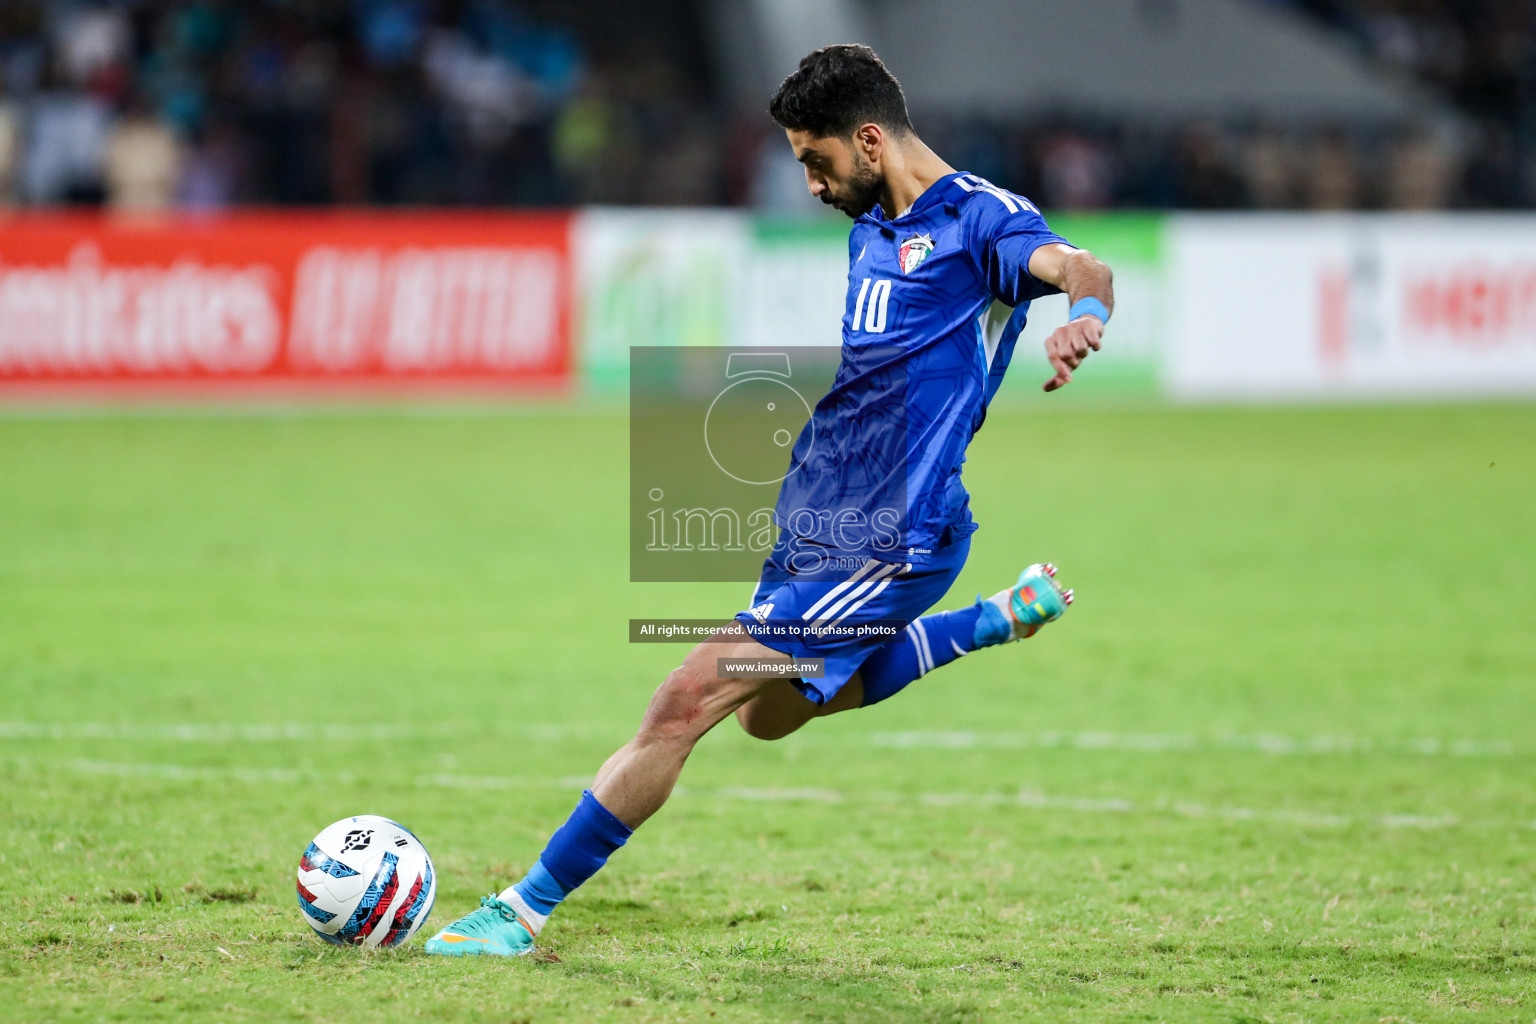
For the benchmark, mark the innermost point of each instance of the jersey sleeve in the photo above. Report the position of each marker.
(1001, 232)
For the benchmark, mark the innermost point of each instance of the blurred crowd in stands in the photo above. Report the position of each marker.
(202, 104)
(1481, 54)
(206, 103)
(1087, 165)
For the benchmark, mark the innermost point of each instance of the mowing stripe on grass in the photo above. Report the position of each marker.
(283, 776)
(1022, 798)
(1261, 743)
(273, 732)
(1050, 739)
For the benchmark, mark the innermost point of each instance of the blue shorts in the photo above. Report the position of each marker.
(841, 609)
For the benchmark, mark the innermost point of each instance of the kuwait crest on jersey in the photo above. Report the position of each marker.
(913, 251)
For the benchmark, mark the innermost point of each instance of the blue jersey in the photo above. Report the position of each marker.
(936, 300)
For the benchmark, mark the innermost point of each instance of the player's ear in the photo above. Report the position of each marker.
(870, 140)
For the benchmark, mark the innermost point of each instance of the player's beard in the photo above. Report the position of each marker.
(863, 190)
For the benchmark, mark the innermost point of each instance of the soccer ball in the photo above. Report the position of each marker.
(366, 881)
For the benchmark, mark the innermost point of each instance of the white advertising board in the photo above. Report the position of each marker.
(1352, 306)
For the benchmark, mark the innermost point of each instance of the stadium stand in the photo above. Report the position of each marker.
(205, 104)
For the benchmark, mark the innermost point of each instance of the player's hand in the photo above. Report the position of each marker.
(1069, 345)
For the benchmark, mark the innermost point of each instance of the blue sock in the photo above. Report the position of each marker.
(928, 643)
(574, 854)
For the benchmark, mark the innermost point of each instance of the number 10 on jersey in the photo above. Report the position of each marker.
(872, 313)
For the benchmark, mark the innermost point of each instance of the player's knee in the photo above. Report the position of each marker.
(680, 708)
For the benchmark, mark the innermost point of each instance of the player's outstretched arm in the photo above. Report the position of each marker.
(1089, 284)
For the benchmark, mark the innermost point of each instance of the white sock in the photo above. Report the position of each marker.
(1003, 599)
(531, 917)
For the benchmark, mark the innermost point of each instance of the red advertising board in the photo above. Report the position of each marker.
(286, 301)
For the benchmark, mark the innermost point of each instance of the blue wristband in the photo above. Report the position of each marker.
(1090, 306)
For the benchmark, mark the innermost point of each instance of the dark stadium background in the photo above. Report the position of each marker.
(485, 102)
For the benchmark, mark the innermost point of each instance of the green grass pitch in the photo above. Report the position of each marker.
(1276, 765)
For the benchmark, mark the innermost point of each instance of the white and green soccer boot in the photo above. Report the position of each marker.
(493, 930)
(1020, 611)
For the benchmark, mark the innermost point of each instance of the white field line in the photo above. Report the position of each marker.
(279, 732)
(284, 776)
(1023, 798)
(1259, 743)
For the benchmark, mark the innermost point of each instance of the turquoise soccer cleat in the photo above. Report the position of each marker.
(493, 930)
(1020, 611)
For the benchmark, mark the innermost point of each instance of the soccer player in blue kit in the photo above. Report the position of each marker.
(942, 268)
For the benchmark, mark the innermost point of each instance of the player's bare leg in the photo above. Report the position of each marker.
(630, 787)
(638, 778)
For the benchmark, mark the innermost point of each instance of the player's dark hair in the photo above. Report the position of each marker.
(836, 89)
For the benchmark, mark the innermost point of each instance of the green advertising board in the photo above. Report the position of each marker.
(1129, 366)
(647, 278)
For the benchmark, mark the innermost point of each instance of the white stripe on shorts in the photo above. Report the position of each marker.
(864, 570)
(860, 602)
(888, 569)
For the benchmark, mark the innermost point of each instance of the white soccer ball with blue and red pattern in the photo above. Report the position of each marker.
(366, 881)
